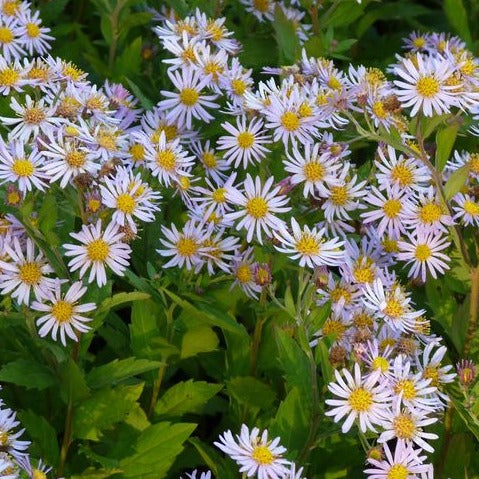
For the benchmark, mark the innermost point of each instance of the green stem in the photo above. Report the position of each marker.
(258, 329)
(473, 311)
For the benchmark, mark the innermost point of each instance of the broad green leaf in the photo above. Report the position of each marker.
(456, 181)
(457, 15)
(119, 370)
(186, 397)
(156, 449)
(48, 214)
(286, 36)
(342, 14)
(103, 409)
(73, 384)
(27, 373)
(120, 299)
(198, 340)
(252, 392)
(470, 420)
(143, 329)
(429, 124)
(92, 473)
(445, 139)
(44, 436)
(128, 63)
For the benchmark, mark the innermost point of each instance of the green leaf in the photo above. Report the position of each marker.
(92, 473)
(471, 421)
(251, 392)
(156, 449)
(186, 397)
(286, 37)
(457, 16)
(30, 374)
(48, 214)
(344, 14)
(143, 329)
(73, 384)
(445, 139)
(198, 340)
(429, 124)
(44, 436)
(119, 370)
(128, 63)
(456, 181)
(103, 409)
(145, 102)
(120, 299)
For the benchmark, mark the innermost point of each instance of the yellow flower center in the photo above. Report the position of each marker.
(72, 71)
(362, 320)
(189, 96)
(34, 116)
(432, 373)
(390, 245)
(11, 7)
(107, 141)
(215, 31)
(13, 198)
(305, 110)
(38, 73)
(219, 195)
(423, 252)
(262, 455)
(75, 158)
(93, 205)
(419, 42)
(360, 400)
(186, 246)
(379, 110)
(137, 152)
(398, 471)
(9, 77)
(402, 174)
(126, 203)
(245, 139)
(430, 213)
(238, 86)
(474, 163)
(340, 293)
(290, 121)
(209, 159)
(468, 68)
(30, 273)
(374, 76)
(313, 171)
(3, 438)
(392, 208)
(212, 68)
(243, 273)
(427, 86)
(23, 167)
(394, 308)
(380, 363)
(166, 159)
(334, 326)
(98, 250)
(339, 195)
(184, 183)
(170, 131)
(257, 207)
(471, 208)
(334, 83)
(404, 427)
(33, 30)
(261, 5)
(37, 474)
(364, 273)
(6, 35)
(189, 55)
(62, 311)
(307, 245)
(406, 386)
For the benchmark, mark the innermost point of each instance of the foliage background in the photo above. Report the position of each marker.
(177, 359)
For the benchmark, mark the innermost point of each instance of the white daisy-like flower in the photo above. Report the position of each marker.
(98, 248)
(9, 440)
(424, 252)
(203, 475)
(407, 427)
(360, 398)
(11, 39)
(243, 272)
(423, 85)
(186, 247)
(33, 118)
(167, 160)
(309, 246)
(236, 81)
(189, 102)
(24, 169)
(64, 315)
(245, 142)
(66, 159)
(12, 76)
(405, 463)
(259, 204)
(405, 173)
(214, 166)
(34, 38)
(255, 454)
(378, 359)
(8, 468)
(313, 168)
(221, 251)
(25, 271)
(391, 305)
(130, 197)
(263, 10)
(466, 209)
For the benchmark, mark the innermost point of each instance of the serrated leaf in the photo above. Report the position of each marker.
(156, 449)
(456, 181)
(445, 139)
(103, 409)
(186, 397)
(251, 392)
(198, 340)
(29, 374)
(119, 370)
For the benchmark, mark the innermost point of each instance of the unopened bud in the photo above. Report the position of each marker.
(466, 371)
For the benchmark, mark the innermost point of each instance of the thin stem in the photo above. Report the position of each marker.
(473, 311)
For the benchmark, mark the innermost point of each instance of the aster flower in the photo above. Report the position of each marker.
(309, 246)
(258, 205)
(98, 249)
(64, 314)
(34, 37)
(467, 209)
(360, 398)
(9, 440)
(255, 454)
(243, 271)
(11, 77)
